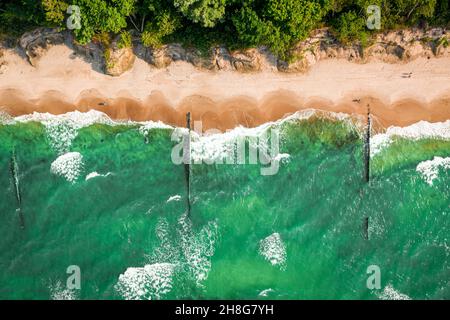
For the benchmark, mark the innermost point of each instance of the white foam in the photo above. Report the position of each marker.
(174, 198)
(150, 125)
(416, 131)
(63, 129)
(265, 292)
(430, 169)
(58, 292)
(168, 250)
(422, 129)
(216, 147)
(151, 282)
(389, 293)
(378, 142)
(68, 165)
(95, 174)
(5, 117)
(198, 248)
(273, 249)
(191, 251)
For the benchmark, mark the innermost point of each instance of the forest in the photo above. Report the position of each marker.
(277, 24)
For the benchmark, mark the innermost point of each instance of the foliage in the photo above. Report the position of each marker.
(163, 25)
(103, 16)
(17, 16)
(125, 40)
(349, 27)
(205, 12)
(278, 24)
(54, 10)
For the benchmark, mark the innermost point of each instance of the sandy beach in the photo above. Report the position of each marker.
(65, 82)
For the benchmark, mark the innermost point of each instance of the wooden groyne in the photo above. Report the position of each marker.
(14, 168)
(367, 146)
(187, 162)
(366, 228)
(367, 166)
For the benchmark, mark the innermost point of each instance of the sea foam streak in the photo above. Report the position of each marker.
(430, 169)
(174, 198)
(68, 165)
(416, 131)
(95, 174)
(265, 293)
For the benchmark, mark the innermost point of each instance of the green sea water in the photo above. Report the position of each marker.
(297, 234)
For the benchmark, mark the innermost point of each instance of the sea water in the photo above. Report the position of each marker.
(106, 197)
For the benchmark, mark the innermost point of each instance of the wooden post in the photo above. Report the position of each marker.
(366, 228)
(15, 178)
(187, 162)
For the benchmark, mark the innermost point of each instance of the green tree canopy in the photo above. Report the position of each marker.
(278, 24)
(205, 12)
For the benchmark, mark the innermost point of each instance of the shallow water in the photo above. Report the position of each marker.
(297, 234)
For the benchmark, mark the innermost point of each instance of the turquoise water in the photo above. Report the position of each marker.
(297, 234)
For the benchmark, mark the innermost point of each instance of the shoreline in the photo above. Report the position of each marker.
(230, 113)
(64, 82)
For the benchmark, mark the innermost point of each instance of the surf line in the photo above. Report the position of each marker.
(15, 178)
(187, 161)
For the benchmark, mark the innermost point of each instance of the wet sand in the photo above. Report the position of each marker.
(228, 113)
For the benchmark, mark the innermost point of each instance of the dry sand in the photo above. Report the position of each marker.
(65, 82)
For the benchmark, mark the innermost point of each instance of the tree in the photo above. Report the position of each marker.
(17, 16)
(55, 11)
(164, 24)
(161, 20)
(278, 23)
(295, 17)
(96, 15)
(349, 27)
(102, 16)
(205, 12)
